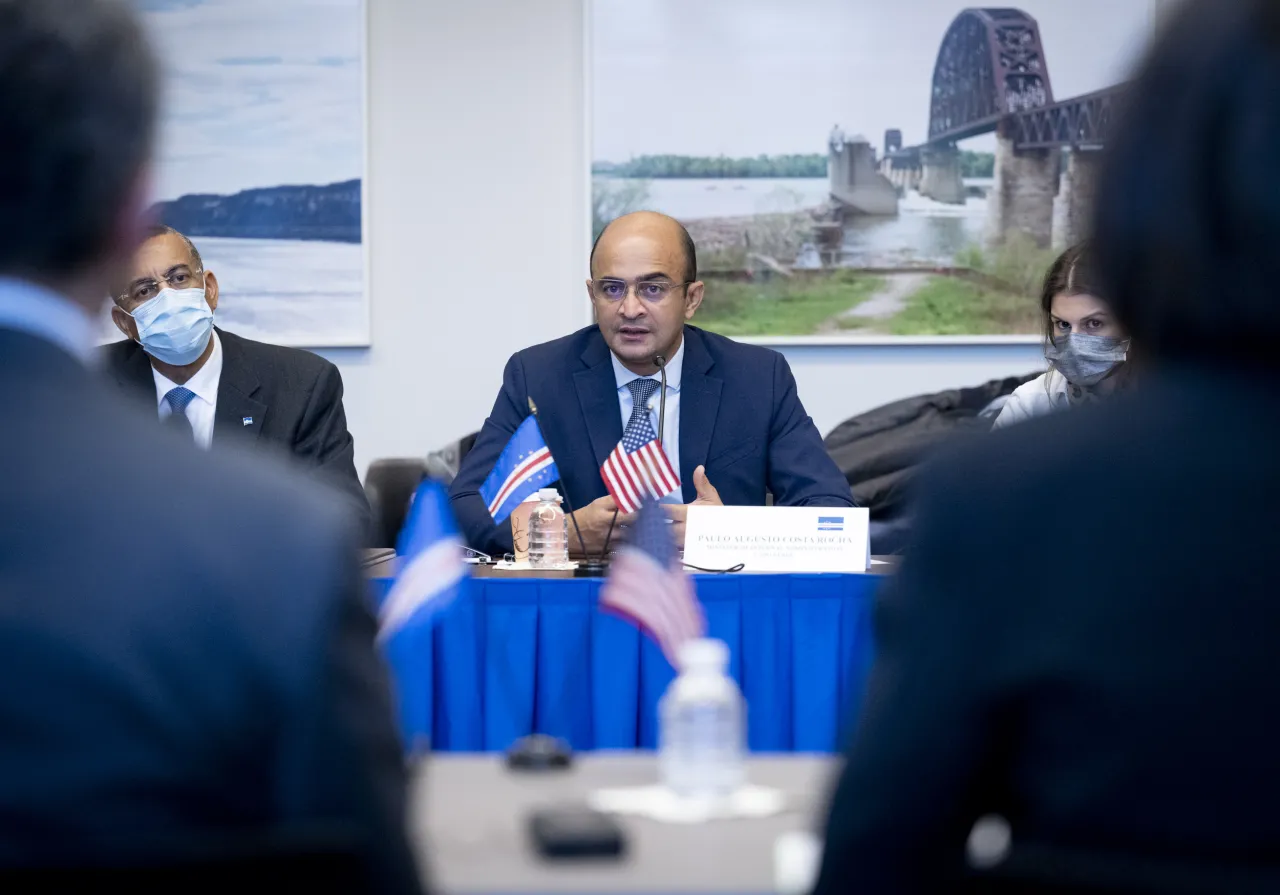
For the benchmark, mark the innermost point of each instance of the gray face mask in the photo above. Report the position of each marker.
(1086, 360)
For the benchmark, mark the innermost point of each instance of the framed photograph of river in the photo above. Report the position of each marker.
(261, 160)
(860, 171)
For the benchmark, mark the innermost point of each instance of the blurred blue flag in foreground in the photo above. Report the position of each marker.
(431, 566)
(524, 466)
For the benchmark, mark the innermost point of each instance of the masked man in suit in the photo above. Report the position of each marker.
(218, 388)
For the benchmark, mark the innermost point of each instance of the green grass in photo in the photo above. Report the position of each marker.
(950, 306)
(781, 306)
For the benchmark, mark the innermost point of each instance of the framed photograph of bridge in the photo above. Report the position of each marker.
(262, 156)
(857, 171)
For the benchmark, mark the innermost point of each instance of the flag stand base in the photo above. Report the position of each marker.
(539, 752)
(591, 569)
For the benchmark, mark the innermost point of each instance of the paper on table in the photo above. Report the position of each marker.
(778, 539)
(657, 802)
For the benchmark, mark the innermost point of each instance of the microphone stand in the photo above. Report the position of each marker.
(538, 752)
(662, 399)
(662, 405)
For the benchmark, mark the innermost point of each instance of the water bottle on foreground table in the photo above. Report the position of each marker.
(702, 731)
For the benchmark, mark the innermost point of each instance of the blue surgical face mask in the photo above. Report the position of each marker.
(1086, 360)
(174, 326)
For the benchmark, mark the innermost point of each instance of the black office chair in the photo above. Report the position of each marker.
(390, 483)
(1039, 870)
(315, 862)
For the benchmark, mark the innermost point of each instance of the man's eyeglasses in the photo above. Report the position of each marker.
(145, 290)
(652, 291)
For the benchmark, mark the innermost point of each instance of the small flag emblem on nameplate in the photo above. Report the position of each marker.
(247, 421)
(831, 523)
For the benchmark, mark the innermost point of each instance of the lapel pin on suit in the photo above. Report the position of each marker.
(246, 421)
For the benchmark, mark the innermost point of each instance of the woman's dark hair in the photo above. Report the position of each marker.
(1187, 231)
(1071, 274)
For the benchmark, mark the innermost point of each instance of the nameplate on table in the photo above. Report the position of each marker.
(778, 539)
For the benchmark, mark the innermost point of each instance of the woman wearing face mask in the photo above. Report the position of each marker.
(1084, 344)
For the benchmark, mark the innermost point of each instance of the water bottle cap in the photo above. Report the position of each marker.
(549, 494)
(703, 653)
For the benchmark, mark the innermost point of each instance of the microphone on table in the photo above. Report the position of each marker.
(538, 751)
(662, 400)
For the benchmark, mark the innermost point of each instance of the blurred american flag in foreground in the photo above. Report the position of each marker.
(648, 586)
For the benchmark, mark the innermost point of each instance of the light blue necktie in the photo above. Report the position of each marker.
(178, 399)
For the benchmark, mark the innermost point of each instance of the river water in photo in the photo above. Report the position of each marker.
(923, 232)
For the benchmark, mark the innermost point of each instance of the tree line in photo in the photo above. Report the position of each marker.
(972, 164)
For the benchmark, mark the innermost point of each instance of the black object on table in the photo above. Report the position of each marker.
(591, 568)
(575, 831)
(539, 752)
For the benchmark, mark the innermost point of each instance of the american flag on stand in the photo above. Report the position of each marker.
(648, 586)
(638, 469)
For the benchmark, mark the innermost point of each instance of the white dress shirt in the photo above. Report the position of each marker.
(46, 315)
(205, 386)
(1043, 395)
(671, 430)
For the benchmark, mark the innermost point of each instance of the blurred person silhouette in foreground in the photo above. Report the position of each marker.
(186, 657)
(1115, 690)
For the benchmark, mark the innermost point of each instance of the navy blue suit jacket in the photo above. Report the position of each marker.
(740, 417)
(186, 650)
(1122, 709)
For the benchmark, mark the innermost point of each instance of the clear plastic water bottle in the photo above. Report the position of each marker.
(702, 730)
(548, 532)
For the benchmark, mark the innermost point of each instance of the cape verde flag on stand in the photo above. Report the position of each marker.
(523, 467)
(431, 567)
(648, 586)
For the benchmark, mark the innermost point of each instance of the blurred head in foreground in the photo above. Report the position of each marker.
(78, 102)
(1188, 214)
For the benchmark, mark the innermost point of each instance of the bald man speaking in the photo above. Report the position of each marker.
(734, 427)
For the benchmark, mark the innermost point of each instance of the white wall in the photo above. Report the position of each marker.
(477, 226)
(478, 229)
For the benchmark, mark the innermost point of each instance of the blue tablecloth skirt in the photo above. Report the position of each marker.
(523, 655)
